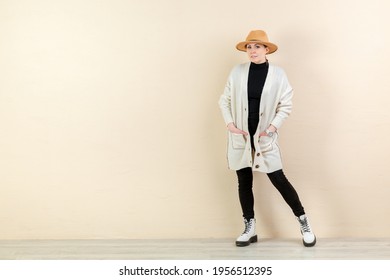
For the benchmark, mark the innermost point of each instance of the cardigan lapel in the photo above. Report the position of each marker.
(244, 86)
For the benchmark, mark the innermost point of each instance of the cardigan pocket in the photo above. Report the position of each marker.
(238, 140)
(266, 143)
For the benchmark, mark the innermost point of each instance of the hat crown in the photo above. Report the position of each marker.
(257, 35)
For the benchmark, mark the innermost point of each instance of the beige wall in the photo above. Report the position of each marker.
(110, 126)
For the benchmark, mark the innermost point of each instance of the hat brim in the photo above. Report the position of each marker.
(242, 46)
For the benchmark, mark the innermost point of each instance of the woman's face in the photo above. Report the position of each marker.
(256, 53)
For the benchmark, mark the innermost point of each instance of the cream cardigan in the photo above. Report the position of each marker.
(275, 107)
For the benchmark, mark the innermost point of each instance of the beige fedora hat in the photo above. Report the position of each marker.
(257, 36)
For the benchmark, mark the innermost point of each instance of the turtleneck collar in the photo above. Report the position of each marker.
(259, 66)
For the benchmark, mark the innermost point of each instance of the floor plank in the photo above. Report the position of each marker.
(194, 249)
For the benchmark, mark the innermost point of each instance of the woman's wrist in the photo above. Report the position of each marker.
(229, 125)
(271, 128)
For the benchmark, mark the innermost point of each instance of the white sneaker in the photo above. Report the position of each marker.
(309, 239)
(249, 235)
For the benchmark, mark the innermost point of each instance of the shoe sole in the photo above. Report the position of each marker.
(253, 239)
(310, 244)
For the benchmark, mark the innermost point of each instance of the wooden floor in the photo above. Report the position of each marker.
(194, 249)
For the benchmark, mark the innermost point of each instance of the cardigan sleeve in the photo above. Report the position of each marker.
(284, 106)
(225, 102)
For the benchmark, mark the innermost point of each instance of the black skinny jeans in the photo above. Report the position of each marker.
(278, 179)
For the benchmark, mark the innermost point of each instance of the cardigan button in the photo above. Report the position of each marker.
(258, 154)
(257, 166)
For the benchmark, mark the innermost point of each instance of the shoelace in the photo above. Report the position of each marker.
(248, 226)
(304, 225)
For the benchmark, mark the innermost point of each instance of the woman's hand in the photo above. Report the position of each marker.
(271, 128)
(233, 129)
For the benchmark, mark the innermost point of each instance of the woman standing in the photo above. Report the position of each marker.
(256, 100)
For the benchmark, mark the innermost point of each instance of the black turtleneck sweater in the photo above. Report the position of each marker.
(256, 80)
